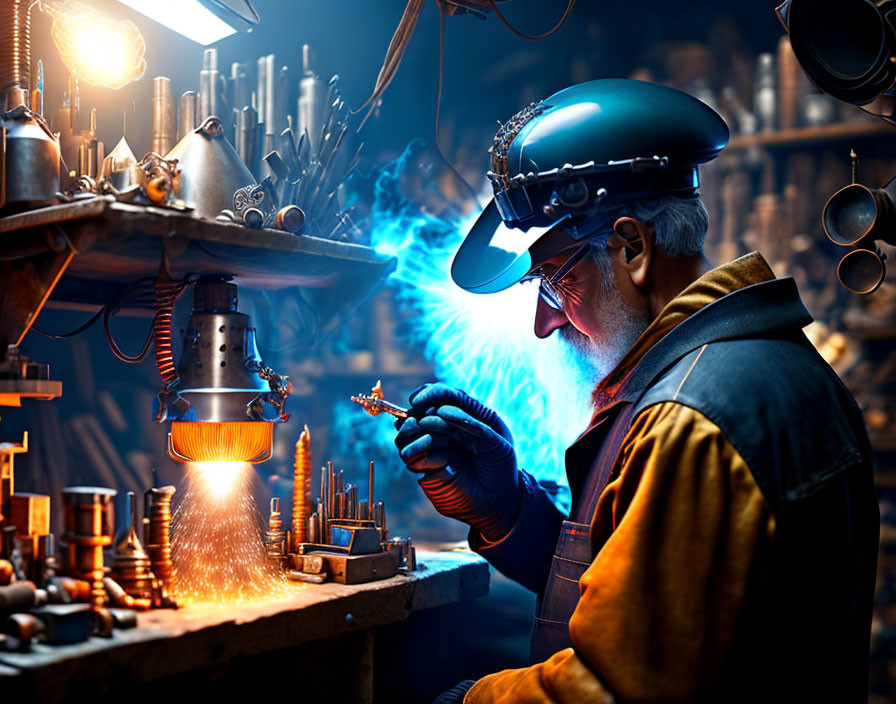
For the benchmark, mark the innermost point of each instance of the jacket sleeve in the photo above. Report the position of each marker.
(525, 553)
(678, 532)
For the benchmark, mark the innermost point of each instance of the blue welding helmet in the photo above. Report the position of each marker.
(573, 160)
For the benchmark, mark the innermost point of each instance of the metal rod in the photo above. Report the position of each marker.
(352, 501)
(311, 529)
(280, 101)
(163, 125)
(93, 153)
(321, 523)
(246, 138)
(370, 489)
(239, 77)
(331, 500)
(208, 85)
(270, 81)
(186, 114)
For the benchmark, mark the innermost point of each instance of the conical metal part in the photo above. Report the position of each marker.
(130, 562)
(119, 166)
(211, 171)
(121, 157)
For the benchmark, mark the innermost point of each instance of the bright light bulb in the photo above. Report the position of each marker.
(221, 478)
(94, 47)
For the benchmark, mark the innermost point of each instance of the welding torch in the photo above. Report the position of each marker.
(374, 404)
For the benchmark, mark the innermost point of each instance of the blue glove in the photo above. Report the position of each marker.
(465, 452)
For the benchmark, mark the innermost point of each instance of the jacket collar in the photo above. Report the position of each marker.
(763, 309)
(739, 299)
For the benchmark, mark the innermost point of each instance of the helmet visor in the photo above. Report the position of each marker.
(494, 256)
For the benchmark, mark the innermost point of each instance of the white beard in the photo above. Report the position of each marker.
(621, 326)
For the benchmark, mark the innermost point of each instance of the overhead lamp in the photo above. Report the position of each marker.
(94, 47)
(203, 21)
(846, 47)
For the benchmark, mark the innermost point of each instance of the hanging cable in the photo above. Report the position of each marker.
(439, 105)
(110, 310)
(529, 37)
(116, 350)
(71, 333)
(400, 40)
(165, 295)
(117, 302)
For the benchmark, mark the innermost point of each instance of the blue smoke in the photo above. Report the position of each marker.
(483, 344)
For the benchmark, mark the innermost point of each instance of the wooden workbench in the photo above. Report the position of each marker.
(317, 643)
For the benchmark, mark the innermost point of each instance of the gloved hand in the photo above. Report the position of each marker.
(465, 452)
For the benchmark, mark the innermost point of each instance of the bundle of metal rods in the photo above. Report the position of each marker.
(339, 500)
(301, 148)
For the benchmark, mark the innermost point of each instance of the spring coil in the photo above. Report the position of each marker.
(167, 294)
(15, 44)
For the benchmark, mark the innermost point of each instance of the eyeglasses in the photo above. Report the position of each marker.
(549, 289)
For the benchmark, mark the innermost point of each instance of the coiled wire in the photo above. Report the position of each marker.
(15, 44)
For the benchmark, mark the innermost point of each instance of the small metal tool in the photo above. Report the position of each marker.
(275, 537)
(374, 403)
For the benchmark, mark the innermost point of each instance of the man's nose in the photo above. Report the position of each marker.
(548, 319)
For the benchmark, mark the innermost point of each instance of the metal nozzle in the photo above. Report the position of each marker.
(225, 400)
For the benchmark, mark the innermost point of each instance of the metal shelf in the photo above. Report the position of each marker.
(806, 136)
(85, 252)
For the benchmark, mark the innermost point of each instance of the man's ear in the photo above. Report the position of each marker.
(638, 242)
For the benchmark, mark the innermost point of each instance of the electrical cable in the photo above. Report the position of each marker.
(530, 37)
(397, 46)
(116, 350)
(64, 335)
(118, 301)
(439, 106)
(162, 316)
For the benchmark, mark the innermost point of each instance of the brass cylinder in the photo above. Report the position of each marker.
(89, 528)
(157, 536)
(301, 488)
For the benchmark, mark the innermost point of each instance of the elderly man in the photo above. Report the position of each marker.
(723, 535)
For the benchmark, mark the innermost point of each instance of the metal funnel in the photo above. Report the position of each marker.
(211, 171)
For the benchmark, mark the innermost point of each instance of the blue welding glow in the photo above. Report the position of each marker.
(483, 344)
